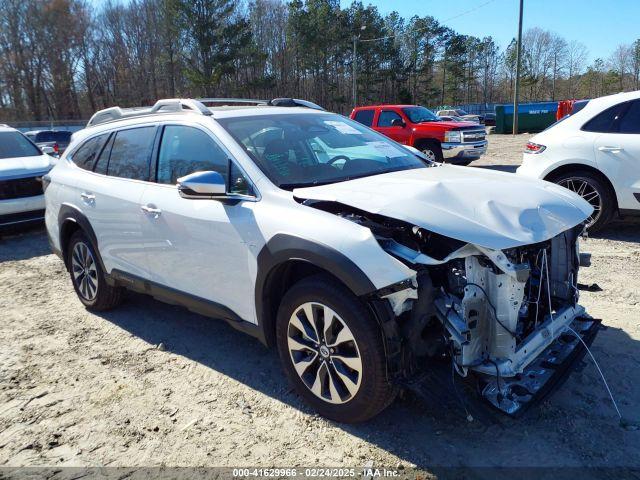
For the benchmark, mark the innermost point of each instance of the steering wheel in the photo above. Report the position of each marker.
(338, 157)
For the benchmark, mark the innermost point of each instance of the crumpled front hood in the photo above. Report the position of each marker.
(20, 167)
(487, 208)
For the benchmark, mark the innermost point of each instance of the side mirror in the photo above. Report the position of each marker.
(202, 185)
(398, 122)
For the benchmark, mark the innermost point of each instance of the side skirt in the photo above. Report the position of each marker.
(191, 302)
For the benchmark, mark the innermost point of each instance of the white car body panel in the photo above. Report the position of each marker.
(449, 201)
(567, 144)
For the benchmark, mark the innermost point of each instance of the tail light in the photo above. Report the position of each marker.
(534, 148)
(56, 148)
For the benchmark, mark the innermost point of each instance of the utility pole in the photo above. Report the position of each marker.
(354, 64)
(517, 82)
(354, 88)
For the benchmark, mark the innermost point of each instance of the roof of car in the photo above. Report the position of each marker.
(385, 105)
(6, 128)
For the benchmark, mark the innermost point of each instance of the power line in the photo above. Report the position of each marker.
(425, 28)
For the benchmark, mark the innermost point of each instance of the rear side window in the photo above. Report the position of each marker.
(630, 123)
(386, 117)
(85, 156)
(103, 159)
(185, 150)
(604, 122)
(131, 152)
(365, 117)
(14, 144)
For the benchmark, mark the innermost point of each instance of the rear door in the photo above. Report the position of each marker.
(617, 150)
(111, 198)
(201, 247)
(385, 124)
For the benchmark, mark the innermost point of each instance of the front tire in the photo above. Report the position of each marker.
(332, 351)
(595, 191)
(88, 277)
(432, 150)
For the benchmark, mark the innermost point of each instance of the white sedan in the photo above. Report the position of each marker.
(22, 165)
(595, 153)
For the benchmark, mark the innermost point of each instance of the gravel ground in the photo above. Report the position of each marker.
(154, 385)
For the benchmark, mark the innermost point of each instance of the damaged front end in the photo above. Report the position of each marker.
(508, 319)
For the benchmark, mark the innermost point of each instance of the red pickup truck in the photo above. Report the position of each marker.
(419, 127)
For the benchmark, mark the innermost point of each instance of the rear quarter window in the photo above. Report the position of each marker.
(605, 121)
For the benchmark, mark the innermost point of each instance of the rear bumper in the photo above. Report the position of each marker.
(463, 151)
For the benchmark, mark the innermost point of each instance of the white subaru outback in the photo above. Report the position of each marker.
(363, 263)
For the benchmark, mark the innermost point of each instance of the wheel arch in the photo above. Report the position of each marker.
(576, 167)
(286, 259)
(70, 220)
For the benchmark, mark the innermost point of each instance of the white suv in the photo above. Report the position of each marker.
(22, 165)
(361, 261)
(595, 153)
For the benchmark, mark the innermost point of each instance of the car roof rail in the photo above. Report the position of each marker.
(167, 105)
(276, 102)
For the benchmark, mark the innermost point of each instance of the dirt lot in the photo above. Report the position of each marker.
(80, 389)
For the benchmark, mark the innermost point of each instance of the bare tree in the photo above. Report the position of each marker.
(576, 57)
(620, 62)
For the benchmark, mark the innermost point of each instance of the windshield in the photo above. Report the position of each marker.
(15, 144)
(299, 150)
(420, 114)
(460, 112)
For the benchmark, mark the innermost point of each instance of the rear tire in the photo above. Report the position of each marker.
(88, 277)
(342, 365)
(595, 191)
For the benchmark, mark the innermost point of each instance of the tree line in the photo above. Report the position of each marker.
(65, 59)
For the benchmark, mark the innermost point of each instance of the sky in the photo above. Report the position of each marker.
(600, 24)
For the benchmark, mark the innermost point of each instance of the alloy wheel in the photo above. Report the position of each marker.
(85, 273)
(324, 353)
(430, 154)
(588, 192)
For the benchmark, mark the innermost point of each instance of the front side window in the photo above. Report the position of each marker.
(420, 114)
(605, 122)
(365, 117)
(184, 150)
(386, 118)
(630, 123)
(304, 149)
(131, 153)
(15, 144)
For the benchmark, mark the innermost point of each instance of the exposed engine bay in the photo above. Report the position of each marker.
(508, 318)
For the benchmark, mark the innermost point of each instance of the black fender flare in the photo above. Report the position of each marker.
(283, 248)
(71, 214)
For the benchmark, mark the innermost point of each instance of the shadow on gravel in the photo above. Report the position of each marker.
(576, 427)
(23, 243)
(627, 230)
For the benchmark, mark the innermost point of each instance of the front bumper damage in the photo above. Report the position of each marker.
(546, 372)
(514, 355)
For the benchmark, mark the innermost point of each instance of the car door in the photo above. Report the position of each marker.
(387, 124)
(617, 152)
(201, 247)
(111, 198)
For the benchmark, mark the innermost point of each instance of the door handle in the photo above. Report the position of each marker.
(148, 210)
(610, 149)
(88, 197)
